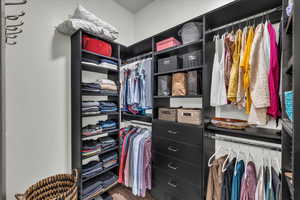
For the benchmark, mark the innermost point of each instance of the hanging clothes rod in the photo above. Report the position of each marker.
(245, 19)
(140, 123)
(139, 57)
(225, 139)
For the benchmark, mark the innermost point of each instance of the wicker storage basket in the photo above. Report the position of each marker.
(59, 187)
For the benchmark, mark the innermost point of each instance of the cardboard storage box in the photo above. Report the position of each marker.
(189, 116)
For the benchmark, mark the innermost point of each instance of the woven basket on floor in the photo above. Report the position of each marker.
(59, 187)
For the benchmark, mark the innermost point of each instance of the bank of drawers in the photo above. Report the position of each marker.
(177, 160)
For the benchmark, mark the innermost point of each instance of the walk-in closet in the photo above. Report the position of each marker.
(149, 100)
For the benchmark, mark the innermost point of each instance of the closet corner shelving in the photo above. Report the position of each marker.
(77, 69)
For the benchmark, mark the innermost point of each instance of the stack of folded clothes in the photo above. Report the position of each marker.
(92, 168)
(93, 186)
(104, 63)
(109, 159)
(91, 147)
(97, 107)
(104, 86)
(99, 128)
(108, 143)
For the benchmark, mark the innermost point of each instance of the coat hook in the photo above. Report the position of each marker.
(16, 3)
(15, 17)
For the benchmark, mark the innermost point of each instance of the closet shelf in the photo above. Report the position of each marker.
(102, 191)
(289, 68)
(100, 56)
(288, 127)
(103, 152)
(178, 49)
(99, 114)
(177, 123)
(289, 26)
(98, 94)
(98, 69)
(104, 134)
(144, 118)
(188, 96)
(260, 134)
(102, 172)
(179, 70)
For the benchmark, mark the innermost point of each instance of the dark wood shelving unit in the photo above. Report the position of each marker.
(289, 26)
(289, 68)
(144, 118)
(77, 96)
(102, 172)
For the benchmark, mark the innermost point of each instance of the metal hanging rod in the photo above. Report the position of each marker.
(140, 123)
(16, 3)
(15, 17)
(265, 146)
(139, 57)
(245, 19)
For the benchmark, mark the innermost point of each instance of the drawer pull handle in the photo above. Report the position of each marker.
(172, 184)
(174, 149)
(172, 132)
(172, 166)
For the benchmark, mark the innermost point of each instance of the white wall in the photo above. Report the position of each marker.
(163, 14)
(38, 89)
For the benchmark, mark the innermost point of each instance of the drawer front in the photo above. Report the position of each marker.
(188, 172)
(178, 132)
(167, 184)
(184, 152)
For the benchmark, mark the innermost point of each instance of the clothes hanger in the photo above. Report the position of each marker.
(210, 159)
(231, 152)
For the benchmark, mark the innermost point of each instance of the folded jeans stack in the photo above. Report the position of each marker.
(109, 64)
(107, 125)
(91, 169)
(95, 185)
(96, 107)
(108, 143)
(91, 147)
(100, 127)
(109, 159)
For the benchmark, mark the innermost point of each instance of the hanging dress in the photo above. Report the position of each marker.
(236, 181)
(229, 51)
(246, 67)
(249, 183)
(218, 95)
(260, 188)
(240, 91)
(274, 75)
(234, 74)
(259, 86)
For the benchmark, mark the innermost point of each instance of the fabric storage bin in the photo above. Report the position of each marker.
(179, 84)
(193, 83)
(164, 85)
(169, 114)
(169, 64)
(193, 59)
(191, 32)
(189, 116)
(167, 43)
(289, 104)
(96, 46)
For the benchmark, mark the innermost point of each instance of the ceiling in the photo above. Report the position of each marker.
(133, 5)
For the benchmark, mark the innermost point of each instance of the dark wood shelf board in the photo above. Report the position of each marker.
(102, 191)
(100, 56)
(102, 172)
(98, 69)
(179, 70)
(99, 114)
(98, 94)
(289, 68)
(259, 134)
(188, 96)
(179, 48)
(103, 134)
(178, 123)
(101, 153)
(144, 118)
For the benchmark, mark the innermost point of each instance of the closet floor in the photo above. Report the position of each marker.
(123, 193)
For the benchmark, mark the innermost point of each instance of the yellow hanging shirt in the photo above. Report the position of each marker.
(246, 67)
(234, 73)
